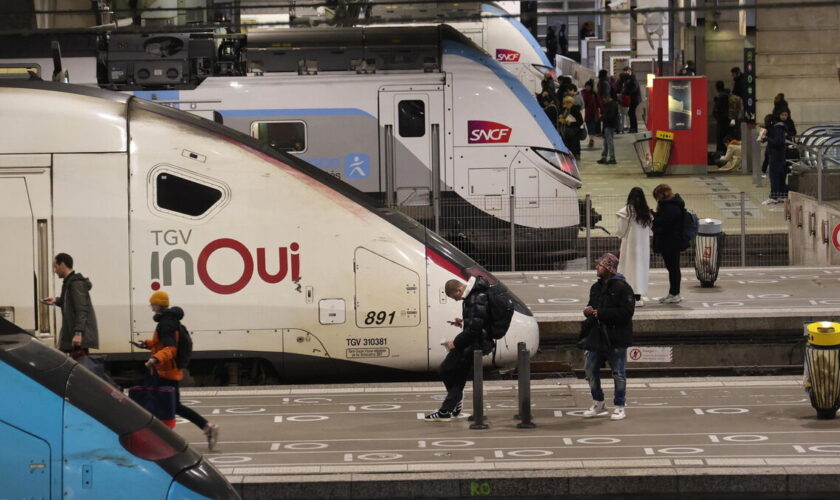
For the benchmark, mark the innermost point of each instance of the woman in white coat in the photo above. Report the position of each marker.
(634, 221)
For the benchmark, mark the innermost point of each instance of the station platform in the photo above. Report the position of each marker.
(757, 312)
(683, 437)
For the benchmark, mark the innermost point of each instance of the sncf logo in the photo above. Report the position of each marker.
(507, 55)
(480, 132)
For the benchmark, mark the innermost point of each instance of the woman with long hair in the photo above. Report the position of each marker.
(634, 222)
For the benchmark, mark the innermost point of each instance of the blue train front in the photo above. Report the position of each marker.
(65, 433)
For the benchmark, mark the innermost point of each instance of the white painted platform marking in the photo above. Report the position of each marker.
(530, 453)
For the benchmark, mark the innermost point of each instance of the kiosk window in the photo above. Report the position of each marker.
(412, 118)
(282, 136)
(184, 196)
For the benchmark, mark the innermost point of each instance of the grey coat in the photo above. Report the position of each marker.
(77, 313)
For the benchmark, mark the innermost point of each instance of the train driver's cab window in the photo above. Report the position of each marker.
(180, 193)
(282, 136)
(412, 118)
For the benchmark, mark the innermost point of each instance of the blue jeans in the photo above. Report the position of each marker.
(616, 358)
(609, 148)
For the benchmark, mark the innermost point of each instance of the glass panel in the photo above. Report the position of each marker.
(185, 196)
(412, 118)
(283, 136)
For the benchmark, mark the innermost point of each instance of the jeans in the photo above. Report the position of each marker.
(609, 147)
(454, 371)
(634, 126)
(672, 264)
(181, 410)
(616, 357)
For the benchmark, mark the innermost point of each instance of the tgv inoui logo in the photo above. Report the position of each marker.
(507, 55)
(480, 132)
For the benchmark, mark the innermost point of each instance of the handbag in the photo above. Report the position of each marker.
(593, 336)
(159, 400)
(582, 133)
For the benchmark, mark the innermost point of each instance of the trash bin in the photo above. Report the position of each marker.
(661, 152)
(708, 246)
(822, 367)
(642, 147)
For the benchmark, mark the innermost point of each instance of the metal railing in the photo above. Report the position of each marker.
(817, 168)
(538, 234)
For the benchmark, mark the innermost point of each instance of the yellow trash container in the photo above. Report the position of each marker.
(822, 367)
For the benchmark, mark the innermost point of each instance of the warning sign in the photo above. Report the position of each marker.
(650, 354)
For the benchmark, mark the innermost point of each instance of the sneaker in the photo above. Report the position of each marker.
(618, 413)
(672, 299)
(438, 416)
(458, 408)
(211, 431)
(598, 409)
(611, 162)
(769, 201)
(602, 161)
(640, 303)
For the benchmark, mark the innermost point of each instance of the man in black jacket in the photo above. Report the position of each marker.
(606, 334)
(455, 368)
(79, 330)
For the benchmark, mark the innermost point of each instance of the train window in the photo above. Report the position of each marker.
(184, 196)
(412, 118)
(282, 136)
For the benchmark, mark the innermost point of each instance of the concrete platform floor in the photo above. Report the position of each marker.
(682, 438)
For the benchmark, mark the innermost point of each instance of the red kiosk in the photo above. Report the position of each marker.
(678, 105)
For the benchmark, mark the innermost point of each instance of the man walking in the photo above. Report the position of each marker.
(610, 122)
(78, 319)
(632, 89)
(606, 334)
(455, 368)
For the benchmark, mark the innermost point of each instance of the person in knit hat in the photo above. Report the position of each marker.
(606, 333)
(164, 347)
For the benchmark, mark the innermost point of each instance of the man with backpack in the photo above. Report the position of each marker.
(171, 348)
(477, 332)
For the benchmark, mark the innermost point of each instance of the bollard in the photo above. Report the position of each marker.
(478, 392)
(524, 369)
(588, 208)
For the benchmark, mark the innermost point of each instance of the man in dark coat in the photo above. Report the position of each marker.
(606, 334)
(78, 319)
(455, 368)
(632, 89)
(721, 115)
(668, 237)
(551, 45)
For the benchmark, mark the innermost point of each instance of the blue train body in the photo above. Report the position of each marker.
(65, 433)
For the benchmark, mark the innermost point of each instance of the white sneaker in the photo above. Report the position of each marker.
(640, 303)
(598, 409)
(618, 413)
(672, 299)
(769, 201)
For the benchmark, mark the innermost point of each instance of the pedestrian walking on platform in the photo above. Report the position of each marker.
(610, 122)
(777, 137)
(164, 346)
(475, 322)
(634, 221)
(79, 331)
(668, 238)
(606, 333)
(551, 45)
(571, 123)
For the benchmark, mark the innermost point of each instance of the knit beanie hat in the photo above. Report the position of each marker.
(159, 298)
(609, 262)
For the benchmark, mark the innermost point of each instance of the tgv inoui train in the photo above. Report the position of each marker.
(271, 258)
(417, 116)
(68, 434)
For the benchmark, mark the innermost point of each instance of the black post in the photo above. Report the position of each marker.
(478, 392)
(524, 370)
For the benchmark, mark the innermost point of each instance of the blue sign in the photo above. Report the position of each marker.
(356, 166)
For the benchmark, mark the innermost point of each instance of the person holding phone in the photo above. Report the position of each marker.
(79, 331)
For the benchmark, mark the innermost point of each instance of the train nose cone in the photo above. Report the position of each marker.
(522, 329)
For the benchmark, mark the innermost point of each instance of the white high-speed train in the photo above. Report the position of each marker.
(419, 117)
(272, 259)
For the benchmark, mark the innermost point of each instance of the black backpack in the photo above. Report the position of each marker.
(501, 312)
(185, 347)
(690, 226)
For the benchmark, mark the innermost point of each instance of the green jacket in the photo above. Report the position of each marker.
(77, 313)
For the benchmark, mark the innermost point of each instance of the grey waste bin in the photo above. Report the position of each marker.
(708, 246)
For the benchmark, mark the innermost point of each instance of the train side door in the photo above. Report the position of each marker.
(25, 256)
(410, 149)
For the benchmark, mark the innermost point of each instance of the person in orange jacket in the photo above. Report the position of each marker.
(164, 347)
